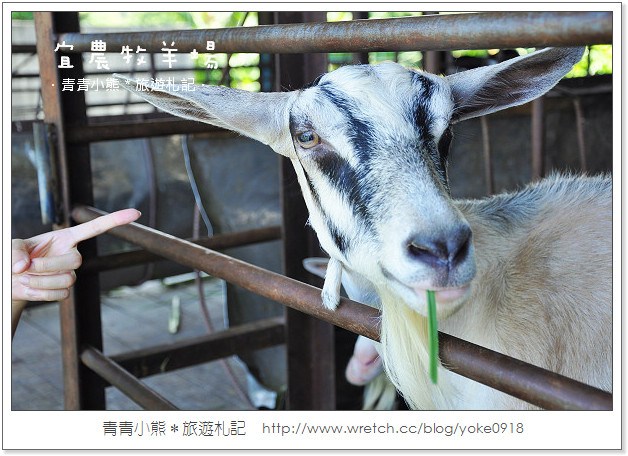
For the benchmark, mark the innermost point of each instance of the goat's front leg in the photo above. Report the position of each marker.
(331, 287)
(365, 363)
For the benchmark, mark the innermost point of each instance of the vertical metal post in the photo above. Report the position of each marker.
(80, 313)
(488, 159)
(267, 62)
(360, 57)
(538, 139)
(45, 163)
(582, 148)
(309, 341)
(433, 61)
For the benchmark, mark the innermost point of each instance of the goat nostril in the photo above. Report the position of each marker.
(460, 244)
(448, 250)
(417, 250)
(429, 252)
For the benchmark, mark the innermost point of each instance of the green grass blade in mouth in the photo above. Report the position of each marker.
(432, 335)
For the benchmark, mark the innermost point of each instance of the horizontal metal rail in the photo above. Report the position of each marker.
(232, 341)
(23, 49)
(124, 381)
(136, 127)
(533, 384)
(216, 242)
(524, 381)
(437, 33)
(139, 129)
(350, 315)
(138, 74)
(164, 126)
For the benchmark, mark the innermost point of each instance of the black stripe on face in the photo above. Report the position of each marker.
(421, 113)
(347, 179)
(341, 241)
(360, 131)
(424, 120)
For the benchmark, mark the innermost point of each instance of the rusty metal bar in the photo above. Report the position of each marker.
(23, 49)
(127, 130)
(310, 341)
(216, 242)
(152, 74)
(124, 381)
(290, 292)
(47, 179)
(233, 341)
(51, 93)
(549, 390)
(80, 313)
(50, 86)
(438, 32)
(530, 383)
(163, 126)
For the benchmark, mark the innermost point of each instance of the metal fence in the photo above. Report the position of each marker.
(293, 42)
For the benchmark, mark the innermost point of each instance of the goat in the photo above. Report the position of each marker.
(516, 273)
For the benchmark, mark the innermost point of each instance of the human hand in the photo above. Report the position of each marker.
(42, 267)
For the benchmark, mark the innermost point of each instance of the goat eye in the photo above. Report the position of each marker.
(308, 139)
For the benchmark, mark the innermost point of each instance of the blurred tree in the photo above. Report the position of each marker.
(22, 16)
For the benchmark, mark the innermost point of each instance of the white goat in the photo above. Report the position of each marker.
(527, 274)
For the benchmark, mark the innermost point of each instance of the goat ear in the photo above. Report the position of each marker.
(261, 116)
(488, 89)
(316, 266)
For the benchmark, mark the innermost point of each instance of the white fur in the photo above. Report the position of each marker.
(331, 287)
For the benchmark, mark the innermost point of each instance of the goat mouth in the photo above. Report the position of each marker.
(446, 295)
(448, 299)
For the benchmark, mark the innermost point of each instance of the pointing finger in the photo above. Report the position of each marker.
(104, 223)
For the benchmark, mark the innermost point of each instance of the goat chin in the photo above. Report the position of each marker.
(406, 357)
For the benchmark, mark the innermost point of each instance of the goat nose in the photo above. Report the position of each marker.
(447, 250)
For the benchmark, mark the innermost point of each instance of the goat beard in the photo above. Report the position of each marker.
(405, 355)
